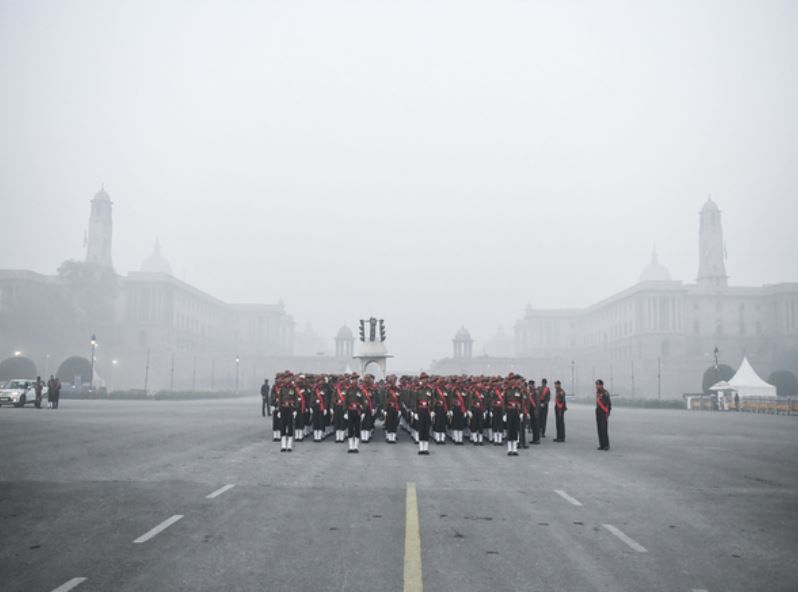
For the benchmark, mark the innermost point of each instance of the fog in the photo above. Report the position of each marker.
(433, 164)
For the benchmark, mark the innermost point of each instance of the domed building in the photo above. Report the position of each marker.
(655, 271)
(344, 343)
(156, 263)
(463, 344)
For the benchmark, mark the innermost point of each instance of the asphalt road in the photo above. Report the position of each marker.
(684, 501)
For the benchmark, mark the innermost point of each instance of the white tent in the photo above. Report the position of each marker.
(747, 382)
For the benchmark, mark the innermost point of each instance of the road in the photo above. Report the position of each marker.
(683, 501)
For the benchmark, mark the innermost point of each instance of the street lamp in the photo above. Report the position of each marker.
(238, 361)
(17, 354)
(93, 348)
(573, 388)
(717, 369)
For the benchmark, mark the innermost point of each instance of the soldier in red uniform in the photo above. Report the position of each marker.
(439, 413)
(318, 409)
(543, 407)
(355, 402)
(513, 403)
(559, 411)
(391, 407)
(497, 413)
(457, 412)
(603, 408)
(476, 413)
(533, 400)
(422, 415)
(339, 387)
(288, 398)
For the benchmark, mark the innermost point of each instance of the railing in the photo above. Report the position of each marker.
(771, 405)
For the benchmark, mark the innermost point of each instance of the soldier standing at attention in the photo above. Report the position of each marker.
(439, 414)
(318, 410)
(497, 413)
(264, 396)
(543, 407)
(391, 406)
(288, 398)
(512, 409)
(422, 415)
(476, 414)
(559, 411)
(354, 411)
(603, 408)
(274, 402)
(533, 412)
(339, 408)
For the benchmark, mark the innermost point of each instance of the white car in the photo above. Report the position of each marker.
(19, 392)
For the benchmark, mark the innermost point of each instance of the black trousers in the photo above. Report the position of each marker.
(338, 418)
(353, 423)
(423, 424)
(496, 420)
(522, 435)
(287, 421)
(264, 402)
(391, 420)
(601, 425)
(513, 424)
(458, 422)
(543, 417)
(367, 422)
(440, 419)
(477, 420)
(318, 418)
(534, 423)
(559, 416)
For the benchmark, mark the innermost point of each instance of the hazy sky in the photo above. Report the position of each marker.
(432, 163)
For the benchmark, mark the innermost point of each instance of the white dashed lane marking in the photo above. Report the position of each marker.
(633, 544)
(160, 528)
(568, 498)
(71, 584)
(219, 491)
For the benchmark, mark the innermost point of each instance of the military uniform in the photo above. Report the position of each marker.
(476, 414)
(392, 406)
(457, 414)
(497, 415)
(289, 400)
(439, 411)
(534, 400)
(559, 411)
(318, 411)
(603, 408)
(339, 410)
(422, 415)
(275, 404)
(367, 418)
(354, 410)
(513, 404)
(543, 407)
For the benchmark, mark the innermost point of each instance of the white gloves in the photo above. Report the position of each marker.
(278, 414)
(294, 413)
(346, 416)
(504, 417)
(415, 416)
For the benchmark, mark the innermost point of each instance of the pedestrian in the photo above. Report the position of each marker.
(559, 411)
(264, 396)
(603, 408)
(38, 388)
(50, 392)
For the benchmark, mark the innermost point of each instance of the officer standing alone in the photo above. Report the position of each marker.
(603, 408)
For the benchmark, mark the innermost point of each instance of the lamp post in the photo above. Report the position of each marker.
(238, 362)
(573, 385)
(717, 372)
(93, 348)
(114, 362)
(17, 353)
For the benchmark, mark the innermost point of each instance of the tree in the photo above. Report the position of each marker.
(785, 382)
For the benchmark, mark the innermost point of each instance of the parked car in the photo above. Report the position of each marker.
(19, 392)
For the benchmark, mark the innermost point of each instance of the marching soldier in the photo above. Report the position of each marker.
(288, 400)
(355, 402)
(423, 416)
(367, 417)
(339, 409)
(497, 414)
(524, 413)
(543, 407)
(603, 408)
(533, 412)
(318, 411)
(559, 411)
(457, 413)
(439, 414)
(476, 414)
(513, 401)
(391, 405)
(301, 409)
(275, 406)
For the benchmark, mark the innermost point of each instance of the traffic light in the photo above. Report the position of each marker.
(382, 330)
(363, 331)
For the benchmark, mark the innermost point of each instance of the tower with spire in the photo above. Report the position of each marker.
(98, 244)
(711, 255)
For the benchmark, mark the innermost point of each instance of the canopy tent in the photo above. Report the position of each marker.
(747, 382)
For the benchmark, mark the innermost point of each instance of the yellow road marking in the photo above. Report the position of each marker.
(412, 543)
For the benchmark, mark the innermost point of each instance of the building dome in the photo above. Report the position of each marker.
(655, 271)
(344, 333)
(710, 206)
(156, 263)
(462, 335)
(101, 195)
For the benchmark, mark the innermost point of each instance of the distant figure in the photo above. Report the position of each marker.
(559, 411)
(51, 392)
(57, 397)
(38, 388)
(603, 408)
(543, 408)
(264, 396)
(534, 412)
(736, 401)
